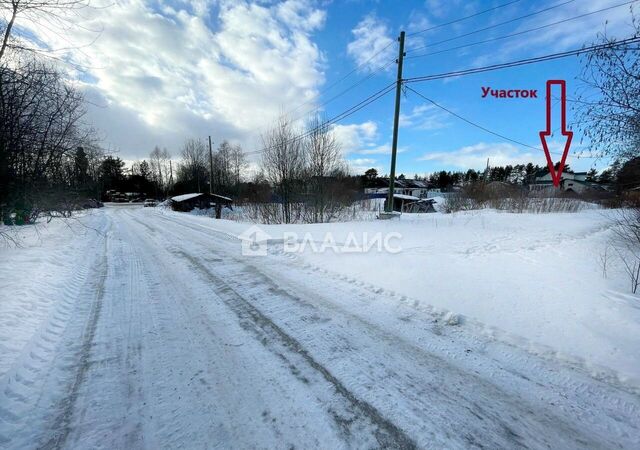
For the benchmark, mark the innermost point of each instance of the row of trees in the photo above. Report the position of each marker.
(519, 174)
(194, 173)
(306, 170)
(45, 148)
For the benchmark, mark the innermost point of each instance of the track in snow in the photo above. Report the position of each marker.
(168, 337)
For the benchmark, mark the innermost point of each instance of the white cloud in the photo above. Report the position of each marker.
(384, 149)
(475, 156)
(440, 8)
(568, 35)
(360, 169)
(354, 137)
(424, 117)
(372, 46)
(226, 68)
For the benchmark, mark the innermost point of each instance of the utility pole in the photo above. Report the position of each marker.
(396, 120)
(486, 172)
(210, 167)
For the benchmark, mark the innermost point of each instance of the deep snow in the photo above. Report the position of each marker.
(534, 279)
(144, 328)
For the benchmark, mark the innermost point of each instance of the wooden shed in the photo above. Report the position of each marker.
(411, 204)
(188, 202)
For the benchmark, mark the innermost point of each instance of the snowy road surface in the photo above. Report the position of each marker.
(157, 333)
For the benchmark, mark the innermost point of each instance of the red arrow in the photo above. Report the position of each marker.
(556, 175)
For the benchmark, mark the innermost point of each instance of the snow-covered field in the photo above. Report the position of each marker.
(145, 328)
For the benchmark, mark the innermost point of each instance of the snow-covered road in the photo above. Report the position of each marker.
(165, 336)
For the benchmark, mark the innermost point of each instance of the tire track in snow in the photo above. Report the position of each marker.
(238, 392)
(571, 432)
(387, 434)
(47, 359)
(61, 424)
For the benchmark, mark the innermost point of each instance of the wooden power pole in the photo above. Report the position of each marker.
(210, 167)
(396, 120)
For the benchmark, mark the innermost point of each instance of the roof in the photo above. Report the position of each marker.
(405, 197)
(184, 197)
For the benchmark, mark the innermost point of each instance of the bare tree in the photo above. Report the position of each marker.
(324, 169)
(193, 170)
(238, 164)
(611, 121)
(54, 15)
(40, 130)
(159, 162)
(222, 167)
(627, 231)
(283, 162)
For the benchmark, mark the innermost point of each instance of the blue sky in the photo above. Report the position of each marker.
(160, 72)
(435, 140)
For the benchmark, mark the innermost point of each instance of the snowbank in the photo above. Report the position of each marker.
(535, 280)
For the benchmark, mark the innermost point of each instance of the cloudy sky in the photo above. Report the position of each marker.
(158, 72)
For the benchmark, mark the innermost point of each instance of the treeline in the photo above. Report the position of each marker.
(518, 174)
(303, 168)
(47, 152)
(160, 176)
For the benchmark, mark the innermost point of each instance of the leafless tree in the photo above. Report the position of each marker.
(627, 230)
(40, 129)
(238, 164)
(56, 16)
(324, 170)
(222, 167)
(608, 105)
(283, 162)
(193, 171)
(159, 162)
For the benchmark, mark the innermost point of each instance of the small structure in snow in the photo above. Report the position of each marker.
(411, 204)
(188, 202)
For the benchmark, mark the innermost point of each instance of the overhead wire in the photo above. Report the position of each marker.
(435, 27)
(519, 33)
(522, 62)
(515, 19)
(485, 129)
(343, 115)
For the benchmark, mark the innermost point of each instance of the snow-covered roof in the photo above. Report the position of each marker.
(183, 197)
(406, 197)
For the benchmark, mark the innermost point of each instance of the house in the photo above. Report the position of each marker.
(570, 182)
(411, 187)
(188, 202)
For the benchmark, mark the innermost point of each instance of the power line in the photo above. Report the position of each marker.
(375, 71)
(462, 18)
(474, 124)
(354, 70)
(522, 62)
(516, 19)
(519, 33)
(343, 115)
(341, 93)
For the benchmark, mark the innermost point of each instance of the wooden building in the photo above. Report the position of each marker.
(188, 202)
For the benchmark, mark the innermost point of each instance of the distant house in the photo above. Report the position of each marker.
(188, 202)
(570, 182)
(414, 188)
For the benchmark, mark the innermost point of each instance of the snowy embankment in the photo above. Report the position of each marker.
(535, 280)
(158, 330)
(39, 272)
